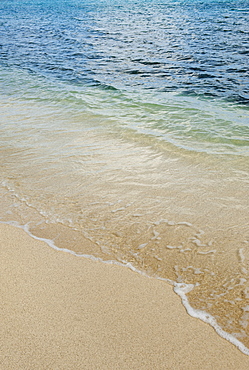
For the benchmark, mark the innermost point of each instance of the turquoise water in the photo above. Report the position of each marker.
(124, 135)
(159, 65)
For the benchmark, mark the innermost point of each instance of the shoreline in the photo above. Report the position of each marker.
(64, 312)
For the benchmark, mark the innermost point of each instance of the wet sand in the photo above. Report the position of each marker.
(59, 311)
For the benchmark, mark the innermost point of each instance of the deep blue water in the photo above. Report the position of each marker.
(197, 48)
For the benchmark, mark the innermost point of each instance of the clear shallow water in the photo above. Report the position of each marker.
(124, 135)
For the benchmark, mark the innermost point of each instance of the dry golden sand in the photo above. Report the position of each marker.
(59, 311)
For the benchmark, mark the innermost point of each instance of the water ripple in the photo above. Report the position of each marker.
(197, 47)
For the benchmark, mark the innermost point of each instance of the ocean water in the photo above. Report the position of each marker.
(124, 136)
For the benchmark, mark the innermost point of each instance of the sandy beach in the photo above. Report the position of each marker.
(59, 311)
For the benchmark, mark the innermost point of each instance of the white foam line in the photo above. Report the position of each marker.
(207, 318)
(179, 288)
(51, 244)
(207, 252)
(118, 209)
(185, 223)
